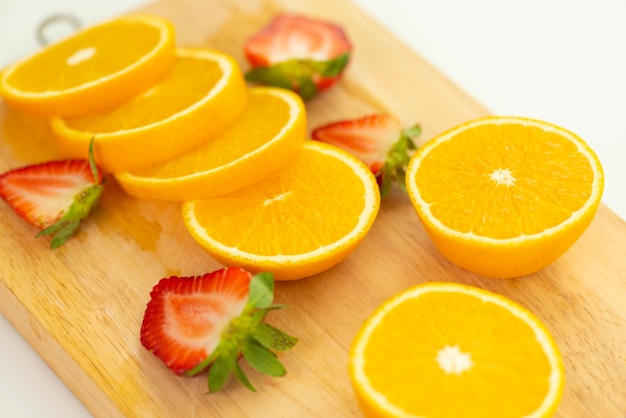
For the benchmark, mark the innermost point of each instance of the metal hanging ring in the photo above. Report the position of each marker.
(65, 19)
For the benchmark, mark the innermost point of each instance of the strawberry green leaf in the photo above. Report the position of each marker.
(253, 318)
(274, 338)
(330, 68)
(397, 159)
(413, 132)
(241, 376)
(295, 75)
(249, 336)
(200, 367)
(65, 232)
(262, 360)
(306, 88)
(92, 160)
(261, 290)
(298, 74)
(272, 76)
(67, 226)
(262, 335)
(83, 202)
(221, 368)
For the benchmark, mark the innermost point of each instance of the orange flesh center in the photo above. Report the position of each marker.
(505, 181)
(457, 352)
(299, 207)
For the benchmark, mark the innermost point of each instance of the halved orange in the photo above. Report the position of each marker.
(95, 69)
(297, 222)
(505, 196)
(267, 135)
(451, 350)
(201, 96)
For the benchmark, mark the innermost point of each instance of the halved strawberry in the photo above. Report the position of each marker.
(377, 140)
(54, 196)
(210, 321)
(299, 53)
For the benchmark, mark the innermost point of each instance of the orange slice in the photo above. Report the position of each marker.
(505, 196)
(450, 350)
(200, 97)
(266, 136)
(95, 69)
(297, 222)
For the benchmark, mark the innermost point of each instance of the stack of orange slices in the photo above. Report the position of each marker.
(499, 196)
(180, 124)
(200, 96)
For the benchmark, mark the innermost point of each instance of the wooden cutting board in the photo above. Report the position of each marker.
(81, 306)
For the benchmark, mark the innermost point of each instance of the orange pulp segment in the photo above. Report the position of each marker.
(296, 222)
(267, 135)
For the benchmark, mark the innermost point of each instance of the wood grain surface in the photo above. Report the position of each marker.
(81, 306)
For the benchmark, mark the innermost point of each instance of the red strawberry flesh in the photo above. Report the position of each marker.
(186, 316)
(299, 53)
(379, 141)
(213, 321)
(42, 193)
(296, 37)
(369, 138)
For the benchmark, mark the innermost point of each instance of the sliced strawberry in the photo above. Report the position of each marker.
(299, 53)
(377, 140)
(210, 321)
(54, 196)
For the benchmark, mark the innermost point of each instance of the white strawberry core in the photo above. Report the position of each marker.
(453, 361)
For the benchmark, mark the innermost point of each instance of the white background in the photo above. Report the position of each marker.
(563, 61)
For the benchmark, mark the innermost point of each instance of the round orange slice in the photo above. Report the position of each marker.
(267, 135)
(95, 69)
(451, 350)
(201, 96)
(297, 222)
(505, 196)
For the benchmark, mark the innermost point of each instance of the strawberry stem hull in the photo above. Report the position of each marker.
(212, 322)
(305, 77)
(297, 52)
